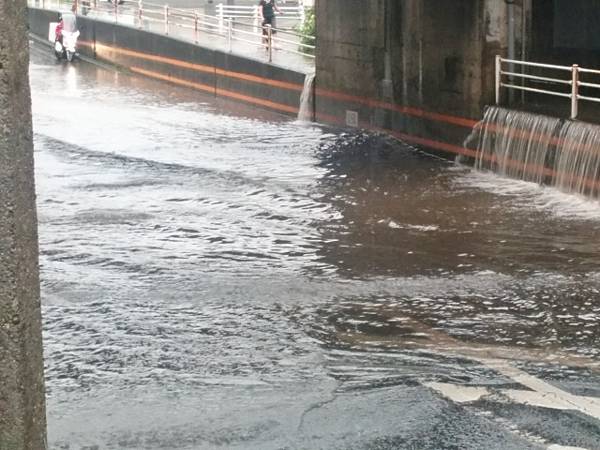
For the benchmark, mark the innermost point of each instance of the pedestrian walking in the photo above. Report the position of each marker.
(267, 10)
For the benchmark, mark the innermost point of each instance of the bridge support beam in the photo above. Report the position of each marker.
(22, 406)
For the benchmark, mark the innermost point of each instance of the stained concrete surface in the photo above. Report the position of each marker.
(22, 410)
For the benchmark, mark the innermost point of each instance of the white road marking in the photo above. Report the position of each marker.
(546, 392)
(498, 358)
(457, 393)
(542, 394)
(562, 447)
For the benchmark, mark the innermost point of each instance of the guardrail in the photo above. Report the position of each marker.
(190, 24)
(571, 83)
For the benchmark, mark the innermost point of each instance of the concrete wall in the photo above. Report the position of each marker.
(420, 69)
(162, 57)
(22, 410)
(423, 70)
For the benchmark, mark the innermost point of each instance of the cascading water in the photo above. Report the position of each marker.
(514, 143)
(542, 149)
(306, 112)
(577, 162)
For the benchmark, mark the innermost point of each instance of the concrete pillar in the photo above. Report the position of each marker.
(495, 18)
(22, 406)
(350, 54)
(412, 52)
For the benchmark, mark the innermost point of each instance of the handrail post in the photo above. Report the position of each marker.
(196, 26)
(574, 91)
(166, 19)
(220, 16)
(270, 42)
(140, 19)
(255, 14)
(229, 33)
(498, 77)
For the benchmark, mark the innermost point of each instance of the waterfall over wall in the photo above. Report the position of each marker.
(306, 111)
(538, 148)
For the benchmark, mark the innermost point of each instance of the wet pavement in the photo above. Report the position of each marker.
(216, 277)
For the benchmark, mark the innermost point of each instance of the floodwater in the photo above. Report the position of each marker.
(214, 277)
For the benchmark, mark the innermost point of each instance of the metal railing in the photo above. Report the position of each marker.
(190, 24)
(568, 86)
(252, 14)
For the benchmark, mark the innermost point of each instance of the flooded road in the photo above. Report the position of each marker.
(214, 277)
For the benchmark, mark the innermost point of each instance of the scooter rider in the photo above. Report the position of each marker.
(58, 36)
(66, 35)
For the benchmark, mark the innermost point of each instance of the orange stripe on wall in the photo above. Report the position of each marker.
(257, 101)
(454, 149)
(408, 110)
(156, 58)
(412, 111)
(203, 68)
(458, 150)
(217, 91)
(261, 80)
(160, 76)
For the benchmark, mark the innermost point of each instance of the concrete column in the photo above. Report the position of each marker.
(412, 52)
(22, 407)
(495, 18)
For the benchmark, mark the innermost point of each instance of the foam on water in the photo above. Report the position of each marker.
(530, 194)
(541, 149)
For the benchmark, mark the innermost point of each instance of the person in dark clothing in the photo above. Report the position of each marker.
(267, 10)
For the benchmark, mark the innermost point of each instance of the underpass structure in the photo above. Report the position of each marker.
(408, 303)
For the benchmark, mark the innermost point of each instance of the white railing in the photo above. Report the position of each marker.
(251, 13)
(569, 86)
(190, 24)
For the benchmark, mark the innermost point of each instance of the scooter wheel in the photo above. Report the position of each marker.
(69, 56)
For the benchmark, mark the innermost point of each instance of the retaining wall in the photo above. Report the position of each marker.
(166, 58)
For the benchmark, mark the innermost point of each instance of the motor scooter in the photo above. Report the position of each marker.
(66, 46)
